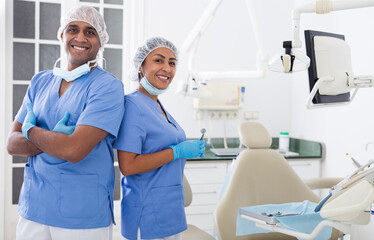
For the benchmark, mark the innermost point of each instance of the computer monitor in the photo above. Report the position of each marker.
(312, 70)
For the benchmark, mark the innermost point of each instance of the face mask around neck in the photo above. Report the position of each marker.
(150, 88)
(75, 73)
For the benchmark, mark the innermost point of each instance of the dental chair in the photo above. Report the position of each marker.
(192, 232)
(260, 176)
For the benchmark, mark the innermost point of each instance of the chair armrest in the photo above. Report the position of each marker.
(319, 183)
(217, 230)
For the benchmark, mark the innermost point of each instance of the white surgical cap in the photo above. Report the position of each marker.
(89, 15)
(145, 49)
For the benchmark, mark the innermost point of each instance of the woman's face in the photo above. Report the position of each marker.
(159, 67)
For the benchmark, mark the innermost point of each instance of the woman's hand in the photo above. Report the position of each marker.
(189, 149)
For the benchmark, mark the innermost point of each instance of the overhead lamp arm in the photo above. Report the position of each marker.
(191, 43)
(201, 25)
(322, 7)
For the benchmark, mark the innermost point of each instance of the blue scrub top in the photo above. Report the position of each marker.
(152, 201)
(56, 192)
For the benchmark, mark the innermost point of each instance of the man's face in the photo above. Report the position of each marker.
(81, 43)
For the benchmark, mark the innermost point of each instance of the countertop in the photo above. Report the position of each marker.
(306, 149)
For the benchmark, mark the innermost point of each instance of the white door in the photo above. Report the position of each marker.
(31, 46)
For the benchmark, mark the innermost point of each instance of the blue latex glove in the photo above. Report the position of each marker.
(29, 122)
(61, 126)
(189, 149)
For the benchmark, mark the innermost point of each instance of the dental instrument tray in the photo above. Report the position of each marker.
(268, 218)
(226, 151)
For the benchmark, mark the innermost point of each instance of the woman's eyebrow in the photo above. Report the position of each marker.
(162, 56)
(157, 54)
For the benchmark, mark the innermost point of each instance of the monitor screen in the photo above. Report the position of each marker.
(312, 70)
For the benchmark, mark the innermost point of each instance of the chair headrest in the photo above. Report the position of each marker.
(254, 135)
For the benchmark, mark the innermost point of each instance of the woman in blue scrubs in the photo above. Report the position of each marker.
(152, 150)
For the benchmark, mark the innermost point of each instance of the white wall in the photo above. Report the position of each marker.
(228, 44)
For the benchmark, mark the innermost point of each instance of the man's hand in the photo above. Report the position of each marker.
(30, 121)
(61, 126)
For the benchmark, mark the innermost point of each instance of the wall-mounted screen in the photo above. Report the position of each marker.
(310, 44)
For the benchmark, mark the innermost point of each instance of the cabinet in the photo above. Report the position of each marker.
(207, 177)
(306, 169)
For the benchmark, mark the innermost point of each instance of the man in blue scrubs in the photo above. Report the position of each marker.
(67, 125)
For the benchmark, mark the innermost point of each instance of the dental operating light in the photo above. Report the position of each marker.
(291, 61)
